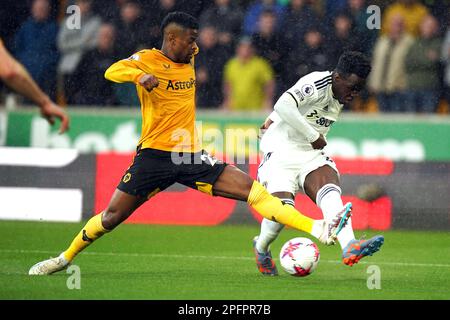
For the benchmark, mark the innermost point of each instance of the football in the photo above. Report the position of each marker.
(299, 257)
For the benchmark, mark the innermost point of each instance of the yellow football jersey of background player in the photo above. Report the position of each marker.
(168, 111)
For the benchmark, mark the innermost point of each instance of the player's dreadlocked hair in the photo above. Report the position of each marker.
(353, 62)
(181, 18)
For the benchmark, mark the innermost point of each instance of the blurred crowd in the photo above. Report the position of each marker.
(250, 51)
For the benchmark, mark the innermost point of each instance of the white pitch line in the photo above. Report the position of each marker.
(160, 255)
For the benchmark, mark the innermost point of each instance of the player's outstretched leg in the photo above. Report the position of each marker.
(119, 209)
(235, 184)
(90, 232)
(322, 186)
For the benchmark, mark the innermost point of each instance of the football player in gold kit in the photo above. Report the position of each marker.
(168, 150)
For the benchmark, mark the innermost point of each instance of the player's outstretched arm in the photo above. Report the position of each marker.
(17, 77)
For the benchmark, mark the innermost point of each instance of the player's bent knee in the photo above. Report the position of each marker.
(111, 218)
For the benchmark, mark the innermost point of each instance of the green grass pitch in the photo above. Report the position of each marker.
(189, 263)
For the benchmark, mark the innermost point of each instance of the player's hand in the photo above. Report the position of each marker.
(266, 124)
(263, 128)
(50, 111)
(149, 81)
(319, 143)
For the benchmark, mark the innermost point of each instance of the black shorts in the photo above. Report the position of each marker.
(155, 170)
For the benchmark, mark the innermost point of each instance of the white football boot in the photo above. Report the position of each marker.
(49, 266)
(331, 230)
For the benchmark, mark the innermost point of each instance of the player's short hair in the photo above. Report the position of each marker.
(180, 18)
(353, 62)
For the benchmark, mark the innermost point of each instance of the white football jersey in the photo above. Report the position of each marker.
(314, 99)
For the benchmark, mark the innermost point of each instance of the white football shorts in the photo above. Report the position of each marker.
(286, 171)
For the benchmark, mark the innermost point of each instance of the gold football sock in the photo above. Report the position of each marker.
(91, 231)
(273, 209)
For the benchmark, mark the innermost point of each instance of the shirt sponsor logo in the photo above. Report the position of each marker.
(180, 85)
(321, 121)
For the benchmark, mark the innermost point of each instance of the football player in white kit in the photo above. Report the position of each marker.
(293, 144)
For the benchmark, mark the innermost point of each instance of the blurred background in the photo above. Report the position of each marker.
(410, 52)
(392, 143)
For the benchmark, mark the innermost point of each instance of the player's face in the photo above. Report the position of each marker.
(348, 88)
(185, 45)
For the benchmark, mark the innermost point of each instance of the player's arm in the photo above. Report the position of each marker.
(16, 76)
(287, 109)
(127, 70)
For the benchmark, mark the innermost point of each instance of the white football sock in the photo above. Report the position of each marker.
(346, 235)
(329, 200)
(317, 228)
(270, 231)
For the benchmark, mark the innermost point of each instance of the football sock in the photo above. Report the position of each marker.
(346, 235)
(269, 232)
(329, 200)
(91, 231)
(272, 208)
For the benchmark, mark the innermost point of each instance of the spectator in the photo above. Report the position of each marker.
(440, 9)
(388, 77)
(11, 18)
(91, 86)
(298, 19)
(445, 56)
(411, 11)
(155, 14)
(130, 28)
(226, 18)
(310, 56)
(343, 38)
(73, 43)
(193, 8)
(209, 68)
(357, 9)
(422, 68)
(255, 10)
(333, 7)
(108, 10)
(36, 46)
(249, 82)
(269, 44)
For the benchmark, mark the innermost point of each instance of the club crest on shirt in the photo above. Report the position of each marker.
(135, 57)
(307, 90)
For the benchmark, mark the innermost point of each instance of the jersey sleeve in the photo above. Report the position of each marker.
(304, 93)
(288, 111)
(126, 70)
(294, 103)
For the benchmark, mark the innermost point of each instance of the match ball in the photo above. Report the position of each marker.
(299, 257)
